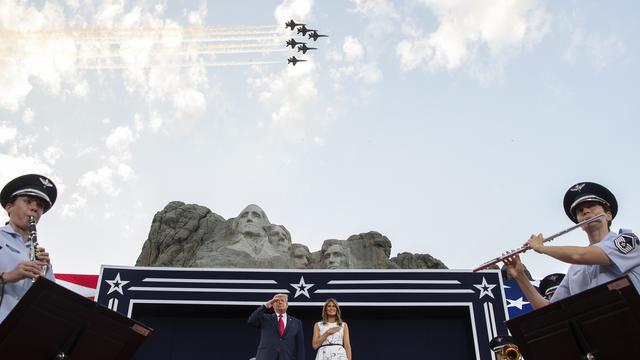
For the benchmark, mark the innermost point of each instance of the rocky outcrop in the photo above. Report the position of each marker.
(408, 260)
(189, 235)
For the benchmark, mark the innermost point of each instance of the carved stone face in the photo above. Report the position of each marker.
(335, 257)
(251, 220)
(300, 257)
(279, 238)
(382, 249)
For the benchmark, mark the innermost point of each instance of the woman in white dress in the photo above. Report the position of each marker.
(331, 335)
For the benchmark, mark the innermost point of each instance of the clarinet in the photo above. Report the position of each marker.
(33, 237)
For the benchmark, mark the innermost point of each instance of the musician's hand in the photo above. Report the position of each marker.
(514, 266)
(536, 242)
(24, 270)
(42, 255)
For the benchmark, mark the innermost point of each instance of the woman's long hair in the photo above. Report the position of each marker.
(325, 318)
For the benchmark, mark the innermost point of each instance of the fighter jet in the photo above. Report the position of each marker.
(292, 60)
(304, 48)
(313, 35)
(293, 43)
(292, 24)
(303, 30)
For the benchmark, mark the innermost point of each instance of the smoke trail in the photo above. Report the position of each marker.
(107, 48)
(207, 64)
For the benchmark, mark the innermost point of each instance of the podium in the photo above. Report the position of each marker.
(51, 322)
(599, 323)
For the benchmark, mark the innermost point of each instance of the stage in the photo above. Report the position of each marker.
(399, 314)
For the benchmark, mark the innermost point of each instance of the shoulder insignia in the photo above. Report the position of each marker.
(625, 242)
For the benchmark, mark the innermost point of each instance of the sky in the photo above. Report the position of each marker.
(452, 127)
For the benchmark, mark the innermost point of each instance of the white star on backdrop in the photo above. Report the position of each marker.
(116, 285)
(485, 288)
(517, 303)
(302, 288)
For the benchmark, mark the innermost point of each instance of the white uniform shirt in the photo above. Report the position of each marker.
(13, 251)
(624, 252)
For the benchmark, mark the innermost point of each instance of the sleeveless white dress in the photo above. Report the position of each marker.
(331, 348)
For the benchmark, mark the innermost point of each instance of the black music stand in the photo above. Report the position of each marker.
(52, 322)
(600, 323)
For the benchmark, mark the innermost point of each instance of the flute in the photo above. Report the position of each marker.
(527, 247)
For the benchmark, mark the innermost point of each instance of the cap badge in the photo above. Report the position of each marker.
(46, 182)
(577, 188)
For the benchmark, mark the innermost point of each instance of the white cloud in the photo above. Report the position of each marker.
(297, 10)
(189, 103)
(369, 73)
(382, 14)
(120, 139)
(69, 209)
(465, 28)
(99, 181)
(351, 63)
(353, 49)
(138, 124)
(45, 60)
(27, 116)
(7, 133)
(52, 154)
(155, 121)
(86, 151)
(290, 93)
(16, 165)
(183, 88)
(198, 16)
(53, 63)
(125, 172)
(15, 84)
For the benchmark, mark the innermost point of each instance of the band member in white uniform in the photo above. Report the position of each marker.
(608, 256)
(23, 197)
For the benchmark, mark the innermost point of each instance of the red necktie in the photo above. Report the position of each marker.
(280, 325)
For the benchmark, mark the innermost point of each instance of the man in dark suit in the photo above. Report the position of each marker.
(281, 335)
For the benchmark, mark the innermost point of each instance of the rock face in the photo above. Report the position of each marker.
(407, 260)
(189, 235)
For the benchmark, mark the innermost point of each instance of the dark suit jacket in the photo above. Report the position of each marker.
(273, 347)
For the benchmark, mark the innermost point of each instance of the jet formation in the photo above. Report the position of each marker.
(302, 46)
(293, 60)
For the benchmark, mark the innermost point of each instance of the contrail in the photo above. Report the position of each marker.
(162, 52)
(207, 64)
(188, 46)
(129, 32)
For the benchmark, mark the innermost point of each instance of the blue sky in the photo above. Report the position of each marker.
(452, 127)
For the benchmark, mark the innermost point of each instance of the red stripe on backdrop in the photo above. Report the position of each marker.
(90, 281)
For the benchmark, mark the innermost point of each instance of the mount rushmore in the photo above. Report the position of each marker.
(190, 235)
